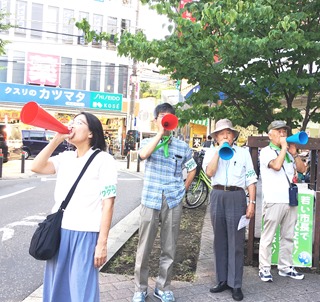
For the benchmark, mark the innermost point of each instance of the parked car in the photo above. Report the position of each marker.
(3, 142)
(33, 141)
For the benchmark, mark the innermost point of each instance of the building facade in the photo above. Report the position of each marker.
(48, 61)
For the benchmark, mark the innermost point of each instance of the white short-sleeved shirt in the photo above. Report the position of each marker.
(84, 210)
(238, 171)
(275, 186)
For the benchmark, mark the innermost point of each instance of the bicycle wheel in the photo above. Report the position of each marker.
(196, 194)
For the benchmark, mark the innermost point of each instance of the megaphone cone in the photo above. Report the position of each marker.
(226, 152)
(169, 121)
(33, 114)
(298, 138)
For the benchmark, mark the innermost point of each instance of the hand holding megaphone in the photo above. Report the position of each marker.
(33, 114)
(300, 138)
(169, 122)
(226, 152)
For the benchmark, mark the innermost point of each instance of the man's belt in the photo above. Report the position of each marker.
(227, 188)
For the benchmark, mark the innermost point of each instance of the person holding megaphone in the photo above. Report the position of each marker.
(231, 171)
(73, 273)
(161, 202)
(278, 163)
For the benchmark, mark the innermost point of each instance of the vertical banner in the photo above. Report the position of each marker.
(302, 252)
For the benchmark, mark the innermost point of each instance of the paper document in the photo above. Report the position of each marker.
(243, 222)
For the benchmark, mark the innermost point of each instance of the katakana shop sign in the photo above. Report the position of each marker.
(302, 252)
(55, 96)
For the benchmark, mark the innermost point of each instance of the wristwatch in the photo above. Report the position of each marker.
(252, 201)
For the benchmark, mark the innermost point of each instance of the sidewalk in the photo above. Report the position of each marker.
(119, 288)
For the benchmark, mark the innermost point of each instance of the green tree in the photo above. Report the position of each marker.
(3, 27)
(268, 57)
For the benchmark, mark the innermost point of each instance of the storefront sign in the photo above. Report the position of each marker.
(302, 253)
(43, 69)
(55, 96)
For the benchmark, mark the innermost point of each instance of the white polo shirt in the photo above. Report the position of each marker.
(238, 171)
(275, 186)
(84, 210)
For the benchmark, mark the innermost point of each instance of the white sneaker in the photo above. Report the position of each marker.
(292, 273)
(164, 296)
(265, 275)
(139, 297)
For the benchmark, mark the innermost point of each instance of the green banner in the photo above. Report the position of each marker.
(302, 253)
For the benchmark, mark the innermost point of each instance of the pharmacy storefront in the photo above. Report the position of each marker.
(63, 104)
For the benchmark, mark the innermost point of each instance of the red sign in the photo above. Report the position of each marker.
(43, 69)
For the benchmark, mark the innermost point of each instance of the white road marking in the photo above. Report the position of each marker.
(8, 231)
(16, 193)
(129, 178)
(47, 179)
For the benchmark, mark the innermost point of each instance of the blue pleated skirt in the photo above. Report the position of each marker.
(71, 276)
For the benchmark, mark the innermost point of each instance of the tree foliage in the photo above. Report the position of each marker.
(268, 57)
(3, 27)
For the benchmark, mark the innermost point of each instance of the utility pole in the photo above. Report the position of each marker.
(133, 77)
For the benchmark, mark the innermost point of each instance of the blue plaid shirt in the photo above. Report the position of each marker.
(164, 175)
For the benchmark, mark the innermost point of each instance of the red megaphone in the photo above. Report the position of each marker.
(33, 114)
(169, 121)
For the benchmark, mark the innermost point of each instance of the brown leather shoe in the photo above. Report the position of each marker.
(222, 286)
(237, 294)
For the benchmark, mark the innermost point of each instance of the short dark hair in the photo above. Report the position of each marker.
(209, 137)
(163, 108)
(97, 141)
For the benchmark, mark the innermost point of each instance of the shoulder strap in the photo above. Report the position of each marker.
(284, 171)
(66, 201)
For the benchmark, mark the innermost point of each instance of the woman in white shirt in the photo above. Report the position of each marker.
(72, 274)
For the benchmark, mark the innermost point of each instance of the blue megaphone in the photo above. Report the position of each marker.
(298, 138)
(226, 152)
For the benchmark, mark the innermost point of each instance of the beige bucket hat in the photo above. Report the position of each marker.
(225, 124)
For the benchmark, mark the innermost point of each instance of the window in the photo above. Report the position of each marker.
(97, 27)
(123, 80)
(66, 71)
(109, 78)
(111, 29)
(3, 68)
(18, 67)
(21, 17)
(82, 15)
(95, 76)
(52, 20)
(36, 20)
(5, 8)
(81, 74)
(67, 26)
(125, 25)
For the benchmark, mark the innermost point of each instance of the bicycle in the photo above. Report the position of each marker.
(200, 187)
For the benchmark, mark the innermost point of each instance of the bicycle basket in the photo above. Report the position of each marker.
(198, 157)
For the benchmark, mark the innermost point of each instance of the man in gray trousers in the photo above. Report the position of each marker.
(229, 178)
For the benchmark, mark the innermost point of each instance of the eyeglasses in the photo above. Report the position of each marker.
(161, 115)
(77, 122)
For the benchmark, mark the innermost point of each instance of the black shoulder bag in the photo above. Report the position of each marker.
(293, 190)
(45, 241)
